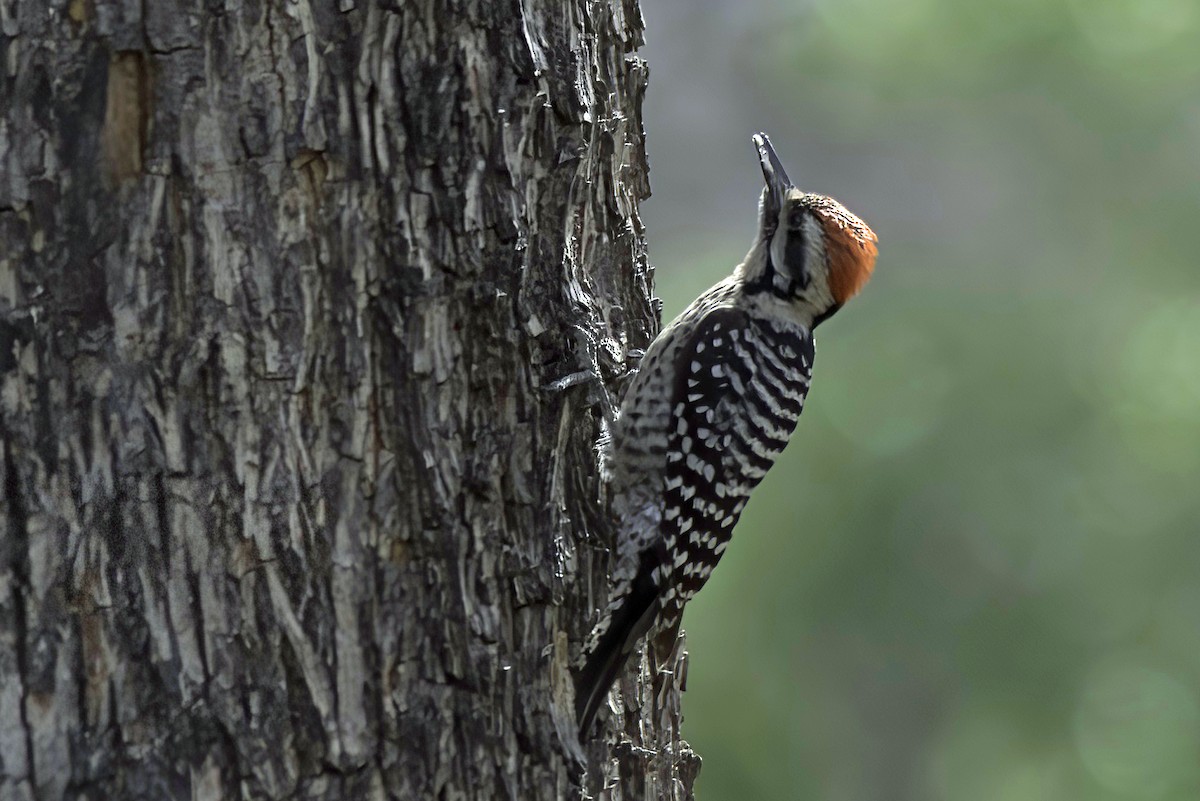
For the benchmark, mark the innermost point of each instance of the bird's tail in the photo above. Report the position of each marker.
(628, 619)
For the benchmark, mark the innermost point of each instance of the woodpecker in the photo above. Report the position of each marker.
(716, 397)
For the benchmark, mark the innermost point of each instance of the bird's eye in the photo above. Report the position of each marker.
(795, 216)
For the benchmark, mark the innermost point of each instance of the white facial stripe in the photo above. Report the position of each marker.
(818, 293)
(779, 254)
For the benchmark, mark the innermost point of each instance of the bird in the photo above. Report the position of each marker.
(712, 405)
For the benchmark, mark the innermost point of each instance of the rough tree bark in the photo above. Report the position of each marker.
(286, 510)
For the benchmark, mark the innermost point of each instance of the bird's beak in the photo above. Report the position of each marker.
(774, 174)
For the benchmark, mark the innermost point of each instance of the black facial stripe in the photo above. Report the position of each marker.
(794, 254)
(798, 277)
(826, 314)
(766, 281)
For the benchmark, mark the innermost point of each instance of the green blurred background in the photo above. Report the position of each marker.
(975, 573)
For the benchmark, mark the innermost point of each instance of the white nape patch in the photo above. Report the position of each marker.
(818, 295)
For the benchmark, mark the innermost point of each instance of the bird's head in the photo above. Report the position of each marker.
(810, 252)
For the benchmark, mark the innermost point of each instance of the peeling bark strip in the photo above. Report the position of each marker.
(286, 512)
(126, 116)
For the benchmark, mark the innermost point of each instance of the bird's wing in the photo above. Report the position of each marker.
(739, 391)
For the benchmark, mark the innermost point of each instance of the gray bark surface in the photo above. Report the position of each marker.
(286, 511)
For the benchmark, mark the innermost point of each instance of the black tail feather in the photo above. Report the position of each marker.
(630, 621)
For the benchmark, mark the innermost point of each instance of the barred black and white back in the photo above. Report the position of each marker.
(739, 395)
(718, 395)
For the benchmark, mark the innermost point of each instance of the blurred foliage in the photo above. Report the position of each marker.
(975, 573)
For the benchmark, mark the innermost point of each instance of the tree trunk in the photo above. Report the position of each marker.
(286, 509)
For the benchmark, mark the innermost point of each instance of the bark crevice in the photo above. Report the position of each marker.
(18, 563)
